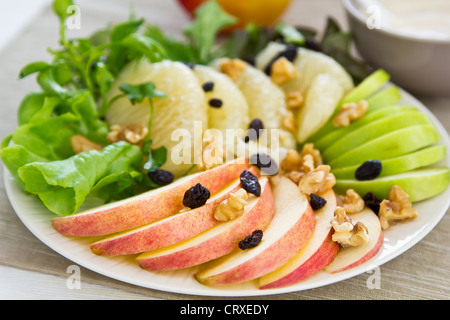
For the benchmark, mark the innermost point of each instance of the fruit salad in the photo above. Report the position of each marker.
(271, 156)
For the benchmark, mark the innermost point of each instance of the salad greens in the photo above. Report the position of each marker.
(73, 100)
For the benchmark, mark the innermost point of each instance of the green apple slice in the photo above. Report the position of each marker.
(407, 162)
(338, 133)
(367, 87)
(385, 98)
(373, 130)
(420, 184)
(390, 145)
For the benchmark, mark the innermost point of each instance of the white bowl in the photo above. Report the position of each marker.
(420, 65)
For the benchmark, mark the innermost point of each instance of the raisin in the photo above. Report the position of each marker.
(369, 170)
(265, 163)
(252, 240)
(254, 130)
(161, 177)
(196, 196)
(215, 103)
(250, 183)
(208, 86)
(371, 200)
(317, 202)
(290, 53)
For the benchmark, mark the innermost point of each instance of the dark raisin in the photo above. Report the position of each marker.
(369, 170)
(208, 86)
(265, 163)
(255, 128)
(161, 177)
(290, 53)
(317, 202)
(371, 200)
(196, 196)
(250, 183)
(252, 240)
(215, 103)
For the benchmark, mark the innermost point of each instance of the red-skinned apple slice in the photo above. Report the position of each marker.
(218, 241)
(166, 231)
(318, 253)
(148, 207)
(351, 257)
(289, 231)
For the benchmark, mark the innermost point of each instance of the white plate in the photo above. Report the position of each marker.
(398, 239)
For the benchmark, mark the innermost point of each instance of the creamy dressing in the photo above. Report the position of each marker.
(418, 18)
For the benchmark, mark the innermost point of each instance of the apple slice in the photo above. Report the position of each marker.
(318, 253)
(217, 241)
(407, 162)
(384, 98)
(373, 130)
(289, 231)
(419, 184)
(392, 144)
(351, 257)
(167, 231)
(148, 207)
(369, 117)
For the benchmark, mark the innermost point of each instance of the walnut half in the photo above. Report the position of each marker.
(318, 181)
(397, 207)
(352, 202)
(232, 207)
(350, 112)
(346, 233)
(283, 71)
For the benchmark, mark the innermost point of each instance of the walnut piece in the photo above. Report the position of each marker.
(289, 123)
(352, 202)
(81, 144)
(318, 181)
(308, 148)
(295, 100)
(398, 207)
(232, 67)
(283, 71)
(295, 162)
(350, 112)
(346, 233)
(232, 207)
(132, 133)
(212, 154)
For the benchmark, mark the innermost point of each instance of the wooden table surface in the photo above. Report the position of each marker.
(31, 270)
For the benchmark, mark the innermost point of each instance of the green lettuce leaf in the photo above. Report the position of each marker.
(63, 185)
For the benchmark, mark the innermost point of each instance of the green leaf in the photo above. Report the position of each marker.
(61, 8)
(137, 93)
(156, 158)
(33, 68)
(290, 34)
(64, 185)
(210, 18)
(29, 105)
(122, 30)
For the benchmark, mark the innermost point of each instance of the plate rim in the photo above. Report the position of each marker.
(219, 292)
